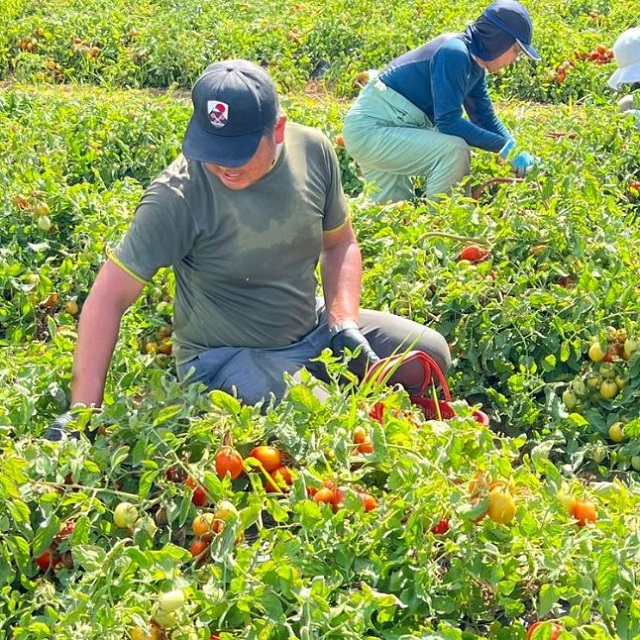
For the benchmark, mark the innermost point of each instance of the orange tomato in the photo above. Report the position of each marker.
(280, 479)
(203, 525)
(324, 495)
(585, 511)
(359, 435)
(228, 461)
(269, 457)
(365, 447)
(369, 502)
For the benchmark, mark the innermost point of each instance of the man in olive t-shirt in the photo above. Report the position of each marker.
(243, 217)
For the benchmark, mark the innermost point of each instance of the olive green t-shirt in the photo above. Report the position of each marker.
(244, 261)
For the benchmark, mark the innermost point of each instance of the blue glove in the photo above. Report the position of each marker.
(522, 164)
(507, 149)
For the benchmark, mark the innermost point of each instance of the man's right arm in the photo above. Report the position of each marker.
(112, 293)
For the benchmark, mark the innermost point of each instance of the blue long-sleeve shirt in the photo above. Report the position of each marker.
(442, 78)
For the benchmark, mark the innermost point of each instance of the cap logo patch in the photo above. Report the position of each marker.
(218, 113)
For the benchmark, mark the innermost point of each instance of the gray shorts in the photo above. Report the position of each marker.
(254, 375)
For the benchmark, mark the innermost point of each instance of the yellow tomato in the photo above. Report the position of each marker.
(616, 431)
(502, 507)
(609, 389)
(596, 352)
(154, 633)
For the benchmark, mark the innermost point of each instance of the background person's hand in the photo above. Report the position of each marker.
(61, 428)
(522, 163)
(68, 424)
(351, 338)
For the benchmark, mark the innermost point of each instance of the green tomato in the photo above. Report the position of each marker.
(608, 370)
(598, 452)
(44, 223)
(594, 381)
(569, 398)
(630, 347)
(635, 462)
(171, 600)
(147, 523)
(125, 514)
(166, 619)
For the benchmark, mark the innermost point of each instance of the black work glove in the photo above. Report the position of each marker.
(60, 429)
(63, 426)
(348, 336)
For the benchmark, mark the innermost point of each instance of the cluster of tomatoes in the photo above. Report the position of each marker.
(599, 55)
(606, 373)
(167, 606)
(158, 342)
(491, 498)
(54, 555)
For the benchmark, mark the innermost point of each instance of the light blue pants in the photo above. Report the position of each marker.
(392, 140)
(254, 375)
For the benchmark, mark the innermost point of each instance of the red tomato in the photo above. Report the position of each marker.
(269, 457)
(198, 547)
(176, 474)
(66, 529)
(556, 629)
(440, 528)
(47, 560)
(228, 461)
(199, 495)
(473, 253)
(368, 501)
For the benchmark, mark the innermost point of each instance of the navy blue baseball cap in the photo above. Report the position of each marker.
(234, 103)
(514, 19)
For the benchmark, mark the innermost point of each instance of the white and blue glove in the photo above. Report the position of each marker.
(521, 162)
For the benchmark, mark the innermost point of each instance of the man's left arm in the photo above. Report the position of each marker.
(341, 267)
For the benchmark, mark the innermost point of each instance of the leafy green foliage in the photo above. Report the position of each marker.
(561, 270)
